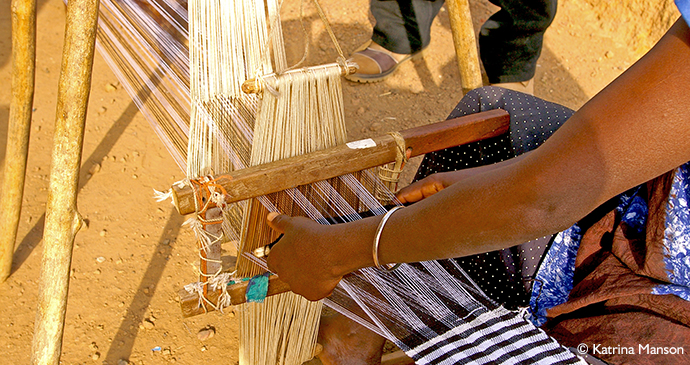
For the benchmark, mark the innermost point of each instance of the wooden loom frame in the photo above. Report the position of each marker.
(321, 165)
(62, 218)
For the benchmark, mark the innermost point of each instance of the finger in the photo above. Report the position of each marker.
(431, 189)
(409, 194)
(277, 221)
(418, 191)
(406, 196)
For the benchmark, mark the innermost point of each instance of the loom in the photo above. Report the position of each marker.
(145, 44)
(226, 88)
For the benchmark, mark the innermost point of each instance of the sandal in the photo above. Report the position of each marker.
(376, 65)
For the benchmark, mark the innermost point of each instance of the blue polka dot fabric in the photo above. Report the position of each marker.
(506, 276)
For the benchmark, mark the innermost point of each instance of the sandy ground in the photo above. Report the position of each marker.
(130, 262)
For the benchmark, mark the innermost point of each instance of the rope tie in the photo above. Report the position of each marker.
(390, 173)
(346, 67)
(198, 288)
(329, 29)
(207, 194)
(161, 196)
(262, 84)
(165, 195)
(206, 238)
(221, 282)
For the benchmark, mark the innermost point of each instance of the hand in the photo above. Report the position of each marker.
(301, 257)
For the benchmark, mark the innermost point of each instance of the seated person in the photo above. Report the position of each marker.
(613, 179)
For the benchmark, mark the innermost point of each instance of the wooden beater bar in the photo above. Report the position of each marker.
(355, 156)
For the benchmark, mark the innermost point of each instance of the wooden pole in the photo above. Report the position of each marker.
(23, 77)
(62, 219)
(291, 172)
(465, 44)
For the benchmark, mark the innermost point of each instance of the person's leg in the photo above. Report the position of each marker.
(510, 41)
(402, 30)
(345, 342)
(503, 275)
(532, 121)
(403, 26)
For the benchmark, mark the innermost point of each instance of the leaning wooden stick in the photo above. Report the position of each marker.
(465, 44)
(23, 75)
(355, 156)
(62, 219)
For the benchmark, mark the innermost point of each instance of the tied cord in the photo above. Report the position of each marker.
(346, 67)
(341, 57)
(256, 290)
(221, 281)
(261, 85)
(207, 195)
(165, 195)
(207, 192)
(198, 288)
(390, 173)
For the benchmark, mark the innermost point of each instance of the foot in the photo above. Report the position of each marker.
(346, 342)
(376, 63)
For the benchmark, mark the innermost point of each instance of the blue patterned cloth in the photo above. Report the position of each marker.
(554, 280)
(677, 237)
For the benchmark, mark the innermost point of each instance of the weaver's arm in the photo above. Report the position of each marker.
(637, 128)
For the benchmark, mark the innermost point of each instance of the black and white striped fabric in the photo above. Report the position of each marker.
(499, 336)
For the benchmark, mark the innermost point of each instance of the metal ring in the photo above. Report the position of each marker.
(377, 239)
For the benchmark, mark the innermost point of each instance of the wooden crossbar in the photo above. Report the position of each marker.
(189, 302)
(356, 156)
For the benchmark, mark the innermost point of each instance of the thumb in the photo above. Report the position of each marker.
(277, 221)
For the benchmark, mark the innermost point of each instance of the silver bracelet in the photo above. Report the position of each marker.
(377, 239)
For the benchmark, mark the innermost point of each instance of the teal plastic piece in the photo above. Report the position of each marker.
(257, 288)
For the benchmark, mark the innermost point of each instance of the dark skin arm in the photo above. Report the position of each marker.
(635, 129)
(434, 183)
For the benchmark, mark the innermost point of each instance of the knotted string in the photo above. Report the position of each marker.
(389, 174)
